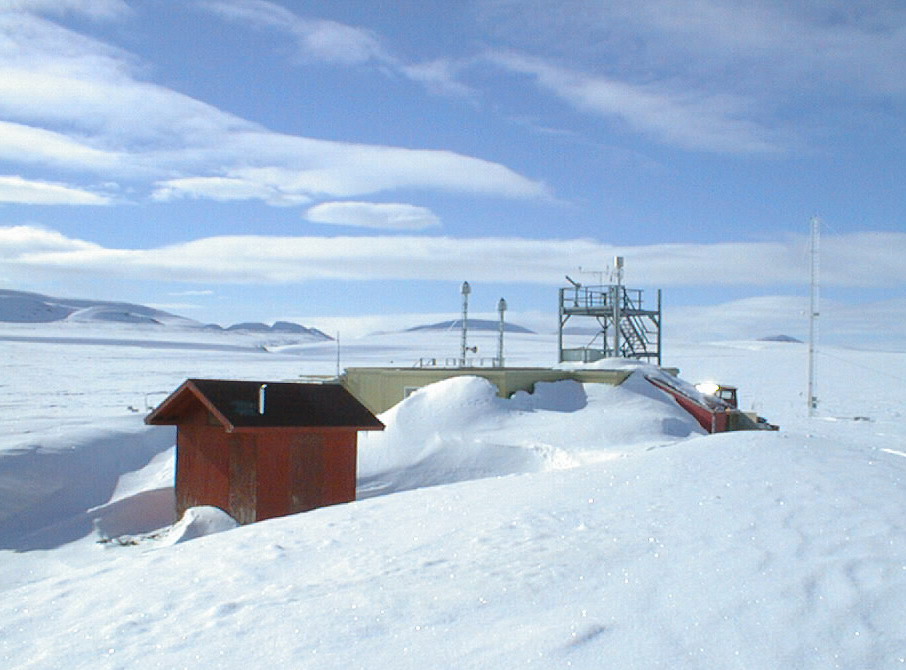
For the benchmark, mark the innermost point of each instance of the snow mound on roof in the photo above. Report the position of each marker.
(459, 429)
(198, 522)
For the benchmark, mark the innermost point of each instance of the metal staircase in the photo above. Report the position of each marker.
(610, 308)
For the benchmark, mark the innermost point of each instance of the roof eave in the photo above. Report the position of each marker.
(188, 386)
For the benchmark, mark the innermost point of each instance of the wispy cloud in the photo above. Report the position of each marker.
(442, 76)
(294, 170)
(263, 260)
(711, 75)
(342, 44)
(32, 145)
(319, 39)
(70, 101)
(225, 189)
(15, 189)
(791, 44)
(685, 119)
(22, 241)
(383, 215)
(95, 9)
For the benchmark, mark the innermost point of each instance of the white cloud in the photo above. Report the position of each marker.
(439, 76)
(685, 119)
(318, 168)
(775, 51)
(385, 215)
(51, 76)
(71, 101)
(321, 39)
(791, 44)
(262, 260)
(17, 242)
(36, 145)
(225, 189)
(15, 189)
(342, 44)
(95, 9)
(291, 170)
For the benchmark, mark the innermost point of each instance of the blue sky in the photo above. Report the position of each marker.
(348, 164)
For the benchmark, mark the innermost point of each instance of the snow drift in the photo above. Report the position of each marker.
(604, 530)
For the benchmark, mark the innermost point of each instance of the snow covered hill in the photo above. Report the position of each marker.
(35, 308)
(23, 307)
(473, 325)
(580, 526)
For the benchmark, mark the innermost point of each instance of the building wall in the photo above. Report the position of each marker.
(202, 468)
(300, 471)
(260, 475)
(379, 389)
(244, 478)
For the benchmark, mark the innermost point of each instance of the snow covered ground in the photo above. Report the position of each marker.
(581, 526)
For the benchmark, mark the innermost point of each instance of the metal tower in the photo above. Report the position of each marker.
(811, 394)
(623, 326)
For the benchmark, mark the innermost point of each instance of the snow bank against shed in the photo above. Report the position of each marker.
(198, 522)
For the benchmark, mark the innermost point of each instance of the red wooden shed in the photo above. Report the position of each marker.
(263, 449)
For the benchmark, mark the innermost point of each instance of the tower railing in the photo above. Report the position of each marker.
(639, 326)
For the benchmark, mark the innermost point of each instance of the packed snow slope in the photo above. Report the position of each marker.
(580, 526)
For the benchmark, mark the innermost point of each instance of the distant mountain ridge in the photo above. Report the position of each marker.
(283, 327)
(25, 307)
(472, 324)
(780, 338)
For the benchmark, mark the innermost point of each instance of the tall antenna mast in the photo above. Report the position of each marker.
(813, 317)
(617, 298)
(466, 290)
(501, 307)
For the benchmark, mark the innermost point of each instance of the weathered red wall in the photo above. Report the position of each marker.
(302, 471)
(243, 505)
(273, 478)
(202, 467)
(256, 476)
(340, 461)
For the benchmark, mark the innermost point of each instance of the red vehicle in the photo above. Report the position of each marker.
(714, 406)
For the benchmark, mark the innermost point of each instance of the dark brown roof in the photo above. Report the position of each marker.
(235, 404)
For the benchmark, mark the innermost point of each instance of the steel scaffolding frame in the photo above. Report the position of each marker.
(625, 327)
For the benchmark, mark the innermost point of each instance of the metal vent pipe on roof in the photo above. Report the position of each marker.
(262, 398)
